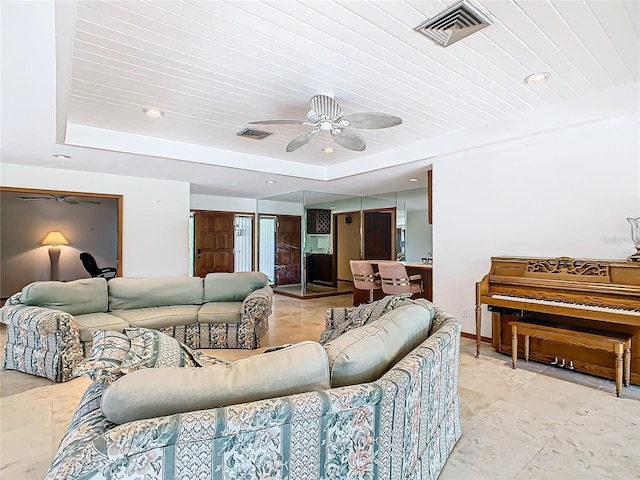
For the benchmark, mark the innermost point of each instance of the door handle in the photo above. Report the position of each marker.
(199, 251)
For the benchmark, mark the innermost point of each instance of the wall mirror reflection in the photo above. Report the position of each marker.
(306, 239)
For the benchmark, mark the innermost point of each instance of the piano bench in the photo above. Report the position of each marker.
(619, 344)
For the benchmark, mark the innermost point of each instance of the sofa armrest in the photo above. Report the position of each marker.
(37, 319)
(258, 304)
(41, 341)
(427, 382)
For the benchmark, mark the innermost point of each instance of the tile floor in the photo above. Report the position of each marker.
(536, 422)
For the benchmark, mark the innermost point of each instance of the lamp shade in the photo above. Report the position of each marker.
(54, 238)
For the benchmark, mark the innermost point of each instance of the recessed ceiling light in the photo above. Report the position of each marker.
(327, 150)
(61, 156)
(537, 78)
(271, 181)
(153, 112)
(414, 179)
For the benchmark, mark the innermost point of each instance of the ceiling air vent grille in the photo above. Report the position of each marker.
(455, 23)
(252, 133)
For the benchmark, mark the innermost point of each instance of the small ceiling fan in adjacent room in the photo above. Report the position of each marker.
(70, 199)
(326, 116)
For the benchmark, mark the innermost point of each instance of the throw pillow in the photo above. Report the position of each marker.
(107, 353)
(345, 319)
(150, 393)
(151, 349)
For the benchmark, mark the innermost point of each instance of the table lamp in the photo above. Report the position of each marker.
(54, 239)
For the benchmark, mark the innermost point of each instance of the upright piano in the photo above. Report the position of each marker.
(598, 295)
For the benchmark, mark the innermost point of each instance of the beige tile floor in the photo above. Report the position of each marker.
(536, 422)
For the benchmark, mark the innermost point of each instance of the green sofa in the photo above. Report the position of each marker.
(378, 402)
(50, 324)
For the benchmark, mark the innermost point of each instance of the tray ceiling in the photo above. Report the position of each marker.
(214, 66)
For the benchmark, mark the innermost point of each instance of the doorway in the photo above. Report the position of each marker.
(90, 222)
(346, 243)
(222, 242)
(243, 243)
(288, 247)
(378, 235)
(280, 249)
(267, 247)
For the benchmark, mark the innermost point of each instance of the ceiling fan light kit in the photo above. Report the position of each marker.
(326, 115)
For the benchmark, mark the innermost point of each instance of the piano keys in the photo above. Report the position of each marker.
(598, 295)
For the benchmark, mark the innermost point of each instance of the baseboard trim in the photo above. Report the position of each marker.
(473, 336)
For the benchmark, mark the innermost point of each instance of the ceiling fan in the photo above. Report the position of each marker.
(326, 116)
(60, 198)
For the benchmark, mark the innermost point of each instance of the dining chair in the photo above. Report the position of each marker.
(364, 277)
(395, 280)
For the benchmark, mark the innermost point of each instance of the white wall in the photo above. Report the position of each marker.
(418, 232)
(275, 207)
(225, 204)
(566, 193)
(155, 214)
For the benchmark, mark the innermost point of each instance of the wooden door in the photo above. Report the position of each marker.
(288, 246)
(378, 235)
(213, 242)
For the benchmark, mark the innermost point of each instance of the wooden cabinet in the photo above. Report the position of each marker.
(320, 269)
(318, 221)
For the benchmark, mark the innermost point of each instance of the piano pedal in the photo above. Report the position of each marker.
(554, 361)
(562, 364)
(570, 366)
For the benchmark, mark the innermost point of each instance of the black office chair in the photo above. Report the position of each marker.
(92, 268)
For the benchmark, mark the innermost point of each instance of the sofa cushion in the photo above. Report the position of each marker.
(130, 293)
(151, 349)
(341, 320)
(220, 312)
(364, 354)
(90, 322)
(153, 393)
(159, 317)
(232, 287)
(107, 353)
(87, 295)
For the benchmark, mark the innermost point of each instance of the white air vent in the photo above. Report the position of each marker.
(456, 22)
(251, 133)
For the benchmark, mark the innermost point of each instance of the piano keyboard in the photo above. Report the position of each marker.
(579, 306)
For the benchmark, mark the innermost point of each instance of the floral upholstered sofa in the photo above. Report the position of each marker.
(402, 425)
(50, 324)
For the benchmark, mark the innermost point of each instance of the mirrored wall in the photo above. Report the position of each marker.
(307, 238)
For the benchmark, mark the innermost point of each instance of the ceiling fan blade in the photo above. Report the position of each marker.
(35, 198)
(278, 122)
(301, 140)
(69, 201)
(349, 138)
(89, 201)
(372, 120)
